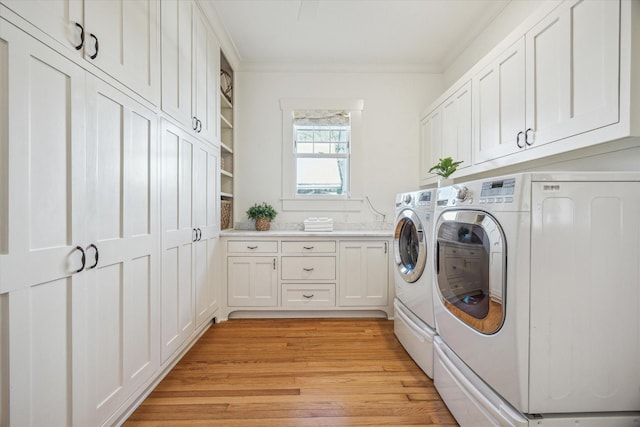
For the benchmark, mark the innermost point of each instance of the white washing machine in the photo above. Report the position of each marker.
(414, 321)
(536, 300)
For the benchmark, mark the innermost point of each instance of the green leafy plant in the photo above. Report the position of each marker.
(262, 210)
(445, 167)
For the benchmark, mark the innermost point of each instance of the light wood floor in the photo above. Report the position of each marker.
(295, 372)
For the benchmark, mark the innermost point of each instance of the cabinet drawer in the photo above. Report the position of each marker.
(308, 268)
(252, 246)
(309, 247)
(306, 295)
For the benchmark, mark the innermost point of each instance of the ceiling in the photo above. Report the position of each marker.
(421, 35)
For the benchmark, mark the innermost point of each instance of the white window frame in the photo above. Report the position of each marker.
(291, 201)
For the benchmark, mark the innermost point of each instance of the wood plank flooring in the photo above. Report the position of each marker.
(295, 372)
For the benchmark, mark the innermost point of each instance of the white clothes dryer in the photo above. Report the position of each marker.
(536, 277)
(414, 320)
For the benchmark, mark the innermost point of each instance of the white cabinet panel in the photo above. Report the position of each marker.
(252, 281)
(206, 212)
(364, 270)
(190, 228)
(430, 141)
(499, 109)
(80, 267)
(190, 68)
(178, 236)
(308, 296)
(250, 246)
(123, 196)
(457, 139)
(119, 36)
(572, 71)
(308, 268)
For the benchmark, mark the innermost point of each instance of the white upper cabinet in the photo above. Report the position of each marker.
(456, 126)
(190, 64)
(499, 107)
(118, 36)
(572, 71)
(447, 132)
(561, 81)
(430, 141)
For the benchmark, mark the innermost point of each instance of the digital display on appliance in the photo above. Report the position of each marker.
(503, 187)
(425, 197)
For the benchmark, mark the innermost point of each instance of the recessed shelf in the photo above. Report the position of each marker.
(225, 173)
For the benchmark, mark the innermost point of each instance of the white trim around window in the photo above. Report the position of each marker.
(342, 203)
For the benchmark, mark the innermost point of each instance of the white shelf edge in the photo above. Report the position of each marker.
(224, 102)
(225, 173)
(223, 194)
(225, 123)
(226, 148)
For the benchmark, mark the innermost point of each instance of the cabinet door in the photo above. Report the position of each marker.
(206, 208)
(125, 34)
(57, 18)
(42, 168)
(456, 126)
(572, 70)
(430, 142)
(205, 64)
(178, 236)
(364, 273)
(252, 281)
(499, 105)
(122, 268)
(176, 60)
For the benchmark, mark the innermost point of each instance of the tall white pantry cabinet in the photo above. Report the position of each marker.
(83, 204)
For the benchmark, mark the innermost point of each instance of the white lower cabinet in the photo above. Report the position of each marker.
(190, 228)
(252, 281)
(364, 271)
(79, 261)
(323, 274)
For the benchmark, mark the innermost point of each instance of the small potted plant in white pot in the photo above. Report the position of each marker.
(262, 214)
(445, 168)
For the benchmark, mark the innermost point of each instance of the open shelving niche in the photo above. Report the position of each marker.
(226, 149)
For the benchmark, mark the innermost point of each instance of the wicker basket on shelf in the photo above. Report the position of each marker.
(225, 214)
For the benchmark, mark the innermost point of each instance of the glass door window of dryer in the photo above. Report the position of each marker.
(410, 246)
(470, 273)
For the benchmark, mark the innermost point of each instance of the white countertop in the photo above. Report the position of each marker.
(301, 233)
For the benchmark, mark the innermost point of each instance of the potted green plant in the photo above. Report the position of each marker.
(262, 214)
(445, 168)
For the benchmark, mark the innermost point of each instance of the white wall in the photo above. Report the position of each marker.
(392, 104)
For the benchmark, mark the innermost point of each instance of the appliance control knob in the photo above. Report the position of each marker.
(463, 193)
(407, 199)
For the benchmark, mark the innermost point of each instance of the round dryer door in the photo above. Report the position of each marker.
(410, 246)
(470, 268)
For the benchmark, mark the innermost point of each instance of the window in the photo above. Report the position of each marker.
(322, 151)
(322, 154)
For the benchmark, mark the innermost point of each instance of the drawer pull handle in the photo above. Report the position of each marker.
(252, 247)
(308, 247)
(307, 296)
(307, 268)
